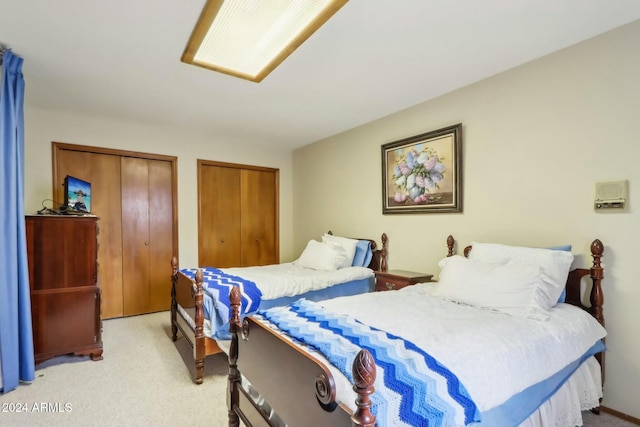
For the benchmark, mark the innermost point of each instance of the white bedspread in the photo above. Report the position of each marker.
(479, 346)
(287, 279)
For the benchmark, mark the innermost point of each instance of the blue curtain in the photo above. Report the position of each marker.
(16, 340)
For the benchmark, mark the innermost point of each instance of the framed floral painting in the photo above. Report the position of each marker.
(423, 173)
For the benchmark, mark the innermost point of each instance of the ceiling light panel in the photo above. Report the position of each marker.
(249, 38)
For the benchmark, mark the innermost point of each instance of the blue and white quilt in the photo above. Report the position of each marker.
(411, 386)
(508, 364)
(217, 308)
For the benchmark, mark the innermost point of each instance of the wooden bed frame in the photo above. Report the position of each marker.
(188, 294)
(304, 392)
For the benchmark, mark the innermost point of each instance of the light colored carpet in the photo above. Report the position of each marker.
(145, 379)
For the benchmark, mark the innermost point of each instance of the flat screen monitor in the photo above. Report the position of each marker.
(77, 196)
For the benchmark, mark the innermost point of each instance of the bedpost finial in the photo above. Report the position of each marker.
(383, 253)
(364, 375)
(450, 243)
(597, 248)
(235, 296)
(235, 299)
(199, 276)
(364, 370)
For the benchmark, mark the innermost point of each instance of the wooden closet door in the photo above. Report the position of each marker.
(161, 234)
(103, 172)
(146, 235)
(105, 185)
(133, 194)
(219, 216)
(259, 217)
(237, 215)
(135, 235)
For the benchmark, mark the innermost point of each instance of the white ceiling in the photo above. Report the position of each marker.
(121, 59)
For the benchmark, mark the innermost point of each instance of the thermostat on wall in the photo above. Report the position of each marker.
(611, 195)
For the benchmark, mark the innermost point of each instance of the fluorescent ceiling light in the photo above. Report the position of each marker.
(250, 38)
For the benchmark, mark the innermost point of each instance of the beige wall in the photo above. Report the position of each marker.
(536, 140)
(42, 127)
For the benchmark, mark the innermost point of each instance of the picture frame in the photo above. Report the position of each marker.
(423, 173)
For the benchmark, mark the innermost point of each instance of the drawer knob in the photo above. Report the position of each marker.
(390, 285)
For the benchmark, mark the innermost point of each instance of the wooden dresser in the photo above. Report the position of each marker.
(63, 275)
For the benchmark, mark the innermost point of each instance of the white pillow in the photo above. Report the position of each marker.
(342, 243)
(553, 264)
(507, 287)
(320, 256)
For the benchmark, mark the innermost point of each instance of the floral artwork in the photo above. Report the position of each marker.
(417, 174)
(422, 173)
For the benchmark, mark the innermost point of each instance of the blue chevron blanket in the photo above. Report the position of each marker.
(411, 388)
(217, 307)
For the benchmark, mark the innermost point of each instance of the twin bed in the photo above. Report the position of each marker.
(199, 297)
(509, 336)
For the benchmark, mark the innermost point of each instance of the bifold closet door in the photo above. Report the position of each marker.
(103, 172)
(258, 217)
(146, 234)
(237, 215)
(105, 185)
(219, 217)
(133, 195)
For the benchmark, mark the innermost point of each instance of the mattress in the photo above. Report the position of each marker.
(289, 280)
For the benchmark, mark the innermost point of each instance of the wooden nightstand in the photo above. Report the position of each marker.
(398, 279)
